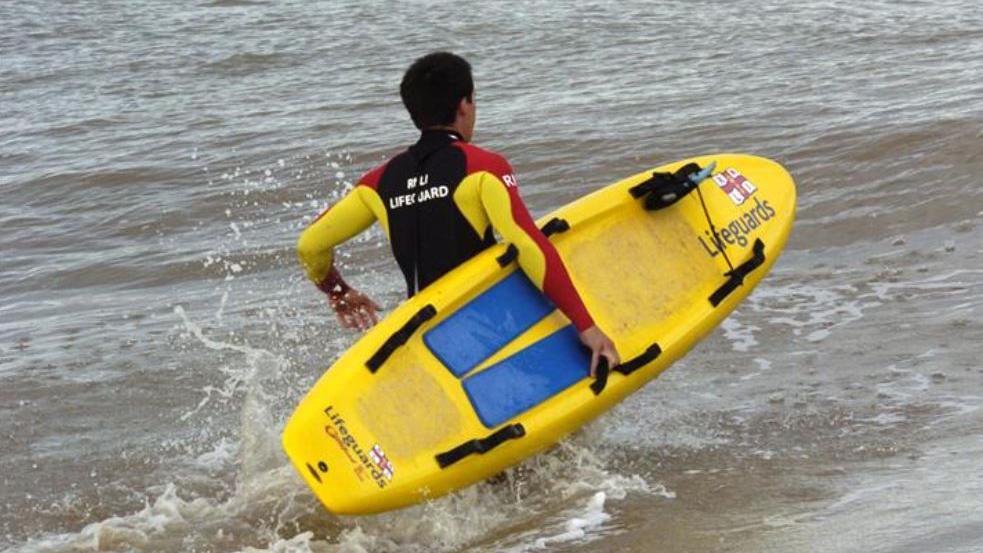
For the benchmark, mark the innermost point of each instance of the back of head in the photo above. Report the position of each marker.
(433, 87)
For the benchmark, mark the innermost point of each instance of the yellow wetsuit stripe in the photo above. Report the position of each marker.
(467, 198)
(498, 206)
(340, 222)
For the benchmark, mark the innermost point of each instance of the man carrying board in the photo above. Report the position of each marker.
(438, 202)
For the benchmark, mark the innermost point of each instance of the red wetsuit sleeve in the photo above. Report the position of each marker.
(556, 282)
(537, 255)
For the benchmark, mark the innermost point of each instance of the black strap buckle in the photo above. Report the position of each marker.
(480, 445)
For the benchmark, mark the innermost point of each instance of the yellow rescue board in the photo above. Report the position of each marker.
(369, 441)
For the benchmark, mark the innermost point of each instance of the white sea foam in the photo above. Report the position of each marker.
(269, 509)
(576, 528)
(219, 457)
(276, 499)
(812, 311)
(238, 375)
(741, 335)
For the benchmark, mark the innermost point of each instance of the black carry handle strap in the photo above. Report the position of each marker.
(635, 363)
(509, 256)
(737, 274)
(659, 184)
(554, 226)
(551, 227)
(400, 337)
(626, 368)
(600, 376)
(480, 445)
(664, 189)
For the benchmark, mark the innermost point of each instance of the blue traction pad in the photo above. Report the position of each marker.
(482, 326)
(529, 377)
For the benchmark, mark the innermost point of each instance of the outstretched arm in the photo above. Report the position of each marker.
(315, 248)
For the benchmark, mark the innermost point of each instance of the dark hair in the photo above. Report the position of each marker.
(433, 87)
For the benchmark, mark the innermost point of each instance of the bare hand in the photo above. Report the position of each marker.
(354, 309)
(600, 345)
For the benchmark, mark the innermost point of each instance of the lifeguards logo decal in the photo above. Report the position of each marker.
(373, 463)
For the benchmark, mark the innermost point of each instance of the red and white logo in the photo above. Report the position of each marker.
(735, 185)
(381, 461)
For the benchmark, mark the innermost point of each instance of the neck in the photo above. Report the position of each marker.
(452, 129)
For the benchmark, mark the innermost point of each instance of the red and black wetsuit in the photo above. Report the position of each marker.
(438, 203)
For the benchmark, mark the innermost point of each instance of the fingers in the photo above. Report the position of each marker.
(600, 345)
(353, 319)
(345, 319)
(366, 318)
(371, 317)
(366, 311)
(603, 348)
(357, 318)
(342, 311)
(612, 354)
(360, 317)
(355, 311)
